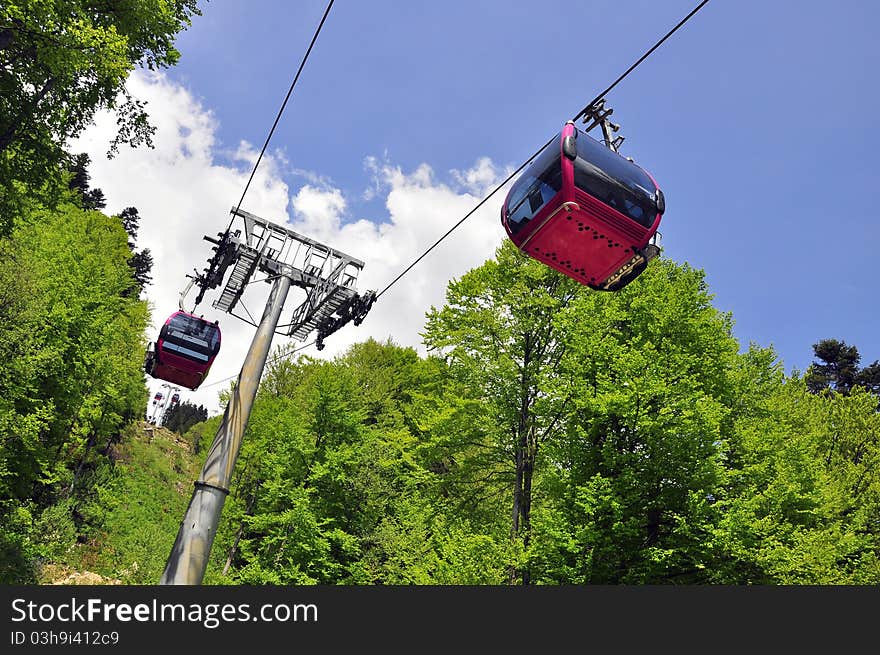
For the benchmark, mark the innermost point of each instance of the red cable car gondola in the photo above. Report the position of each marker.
(586, 211)
(184, 351)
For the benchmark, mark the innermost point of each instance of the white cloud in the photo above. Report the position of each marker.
(183, 192)
(480, 179)
(318, 212)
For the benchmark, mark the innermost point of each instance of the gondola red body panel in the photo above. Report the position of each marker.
(183, 353)
(585, 211)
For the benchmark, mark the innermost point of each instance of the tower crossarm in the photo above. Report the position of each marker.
(327, 275)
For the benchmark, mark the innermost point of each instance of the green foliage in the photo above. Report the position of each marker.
(18, 543)
(415, 547)
(803, 503)
(57, 530)
(330, 479)
(134, 509)
(497, 333)
(61, 62)
(839, 370)
(70, 343)
(644, 386)
(555, 435)
(630, 437)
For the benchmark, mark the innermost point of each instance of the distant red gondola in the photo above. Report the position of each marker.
(184, 351)
(586, 211)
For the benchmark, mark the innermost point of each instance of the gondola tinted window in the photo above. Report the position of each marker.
(614, 180)
(535, 188)
(192, 338)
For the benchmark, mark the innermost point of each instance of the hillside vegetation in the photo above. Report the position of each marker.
(138, 499)
(554, 435)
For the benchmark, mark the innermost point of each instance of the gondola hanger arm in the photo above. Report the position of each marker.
(192, 281)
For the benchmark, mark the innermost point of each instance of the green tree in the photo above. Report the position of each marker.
(80, 182)
(60, 62)
(498, 334)
(630, 482)
(331, 488)
(298, 507)
(802, 501)
(70, 354)
(141, 262)
(180, 417)
(839, 370)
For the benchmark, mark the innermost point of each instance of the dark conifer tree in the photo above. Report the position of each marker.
(838, 369)
(869, 377)
(89, 198)
(141, 262)
(81, 178)
(182, 416)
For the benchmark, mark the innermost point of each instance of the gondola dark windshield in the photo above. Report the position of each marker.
(614, 180)
(537, 186)
(191, 338)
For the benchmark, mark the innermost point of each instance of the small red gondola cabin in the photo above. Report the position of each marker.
(586, 211)
(184, 351)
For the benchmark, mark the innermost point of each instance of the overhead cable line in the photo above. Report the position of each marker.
(468, 215)
(206, 279)
(647, 54)
(577, 116)
(259, 159)
(278, 357)
(283, 105)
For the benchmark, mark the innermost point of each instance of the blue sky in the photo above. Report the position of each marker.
(758, 120)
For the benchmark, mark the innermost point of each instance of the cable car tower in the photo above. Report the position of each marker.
(328, 276)
(287, 259)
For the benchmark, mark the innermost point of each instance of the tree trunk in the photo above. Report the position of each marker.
(523, 475)
(252, 499)
(90, 442)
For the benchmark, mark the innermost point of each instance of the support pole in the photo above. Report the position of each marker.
(189, 556)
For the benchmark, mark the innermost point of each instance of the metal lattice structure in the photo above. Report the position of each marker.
(328, 276)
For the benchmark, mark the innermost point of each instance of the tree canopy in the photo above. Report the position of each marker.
(838, 369)
(71, 348)
(61, 62)
(553, 435)
(180, 417)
